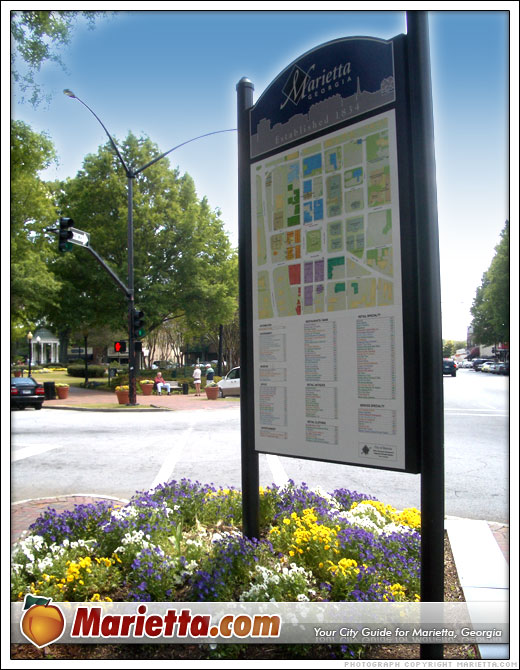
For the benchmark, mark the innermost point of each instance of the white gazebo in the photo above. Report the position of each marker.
(45, 347)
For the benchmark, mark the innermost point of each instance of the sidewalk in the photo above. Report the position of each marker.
(89, 399)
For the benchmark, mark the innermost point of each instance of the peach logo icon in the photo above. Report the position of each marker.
(41, 622)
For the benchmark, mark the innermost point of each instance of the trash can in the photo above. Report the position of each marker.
(185, 389)
(49, 390)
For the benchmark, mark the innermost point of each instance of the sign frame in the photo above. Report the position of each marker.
(398, 102)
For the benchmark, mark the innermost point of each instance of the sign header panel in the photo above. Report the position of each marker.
(325, 87)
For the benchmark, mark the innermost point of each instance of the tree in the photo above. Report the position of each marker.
(490, 307)
(36, 38)
(450, 347)
(34, 286)
(183, 261)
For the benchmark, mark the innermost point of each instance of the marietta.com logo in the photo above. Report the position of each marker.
(43, 623)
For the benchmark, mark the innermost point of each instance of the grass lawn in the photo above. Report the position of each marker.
(61, 377)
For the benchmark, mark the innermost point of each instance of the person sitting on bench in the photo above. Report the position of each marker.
(159, 381)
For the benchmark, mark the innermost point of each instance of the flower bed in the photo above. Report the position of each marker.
(182, 542)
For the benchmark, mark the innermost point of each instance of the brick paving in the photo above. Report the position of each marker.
(501, 534)
(24, 513)
(86, 398)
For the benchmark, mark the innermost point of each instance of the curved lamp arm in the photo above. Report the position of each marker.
(158, 158)
(114, 145)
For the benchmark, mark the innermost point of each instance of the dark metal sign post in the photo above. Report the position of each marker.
(339, 269)
(250, 470)
(432, 415)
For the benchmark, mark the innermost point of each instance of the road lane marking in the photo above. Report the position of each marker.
(280, 477)
(463, 411)
(171, 459)
(35, 450)
(489, 416)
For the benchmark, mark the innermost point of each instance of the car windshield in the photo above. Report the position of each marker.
(23, 381)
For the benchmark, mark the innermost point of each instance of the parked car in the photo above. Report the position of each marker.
(26, 392)
(479, 362)
(467, 364)
(230, 384)
(502, 368)
(486, 367)
(164, 365)
(449, 367)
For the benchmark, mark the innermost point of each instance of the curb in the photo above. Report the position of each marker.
(139, 408)
(69, 495)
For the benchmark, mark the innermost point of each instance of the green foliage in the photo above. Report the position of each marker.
(33, 284)
(490, 307)
(450, 347)
(183, 260)
(78, 370)
(37, 38)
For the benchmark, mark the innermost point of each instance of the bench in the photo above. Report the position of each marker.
(174, 386)
(92, 385)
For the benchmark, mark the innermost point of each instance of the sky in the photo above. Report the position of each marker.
(172, 74)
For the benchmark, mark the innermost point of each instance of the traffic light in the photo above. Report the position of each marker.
(120, 347)
(65, 234)
(138, 323)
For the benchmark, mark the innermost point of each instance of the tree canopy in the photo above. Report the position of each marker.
(37, 37)
(490, 309)
(184, 264)
(34, 286)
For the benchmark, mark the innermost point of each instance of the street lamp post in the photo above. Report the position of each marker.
(131, 175)
(29, 337)
(39, 349)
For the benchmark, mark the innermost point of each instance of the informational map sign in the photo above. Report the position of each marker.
(340, 317)
(327, 304)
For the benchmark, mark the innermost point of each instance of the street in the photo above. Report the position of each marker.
(58, 452)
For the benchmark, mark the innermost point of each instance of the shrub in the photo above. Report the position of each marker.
(78, 370)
